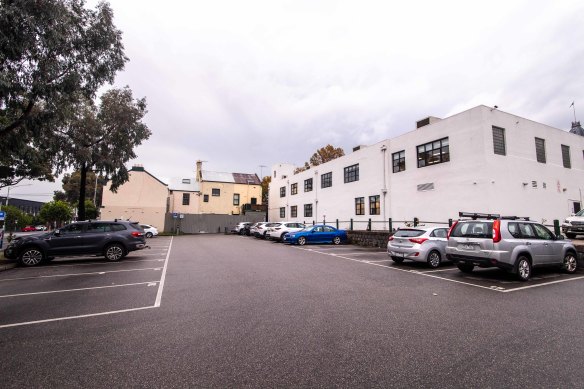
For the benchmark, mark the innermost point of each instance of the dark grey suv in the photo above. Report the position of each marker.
(112, 239)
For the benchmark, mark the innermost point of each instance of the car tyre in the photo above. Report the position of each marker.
(570, 263)
(115, 252)
(523, 268)
(337, 240)
(302, 241)
(31, 257)
(397, 259)
(149, 235)
(434, 259)
(463, 267)
(282, 236)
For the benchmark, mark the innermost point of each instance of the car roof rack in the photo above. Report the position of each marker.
(475, 215)
(515, 218)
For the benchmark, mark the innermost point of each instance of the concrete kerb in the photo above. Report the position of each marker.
(7, 265)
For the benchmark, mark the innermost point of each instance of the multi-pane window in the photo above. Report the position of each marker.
(540, 150)
(186, 198)
(374, 207)
(433, 152)
(236, 199)
(360, 206)
(499, 141)
(282, 212)
(352, 173)
(326, 180)
(308, 185)
(206, 198)
(294, 189)
(566, 156)
(216, 192)
(399, 161)
(283, 191)
(294, 211)
(307, 210)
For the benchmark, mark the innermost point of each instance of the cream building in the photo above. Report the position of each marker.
(184, 195)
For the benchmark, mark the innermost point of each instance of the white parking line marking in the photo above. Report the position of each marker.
(439, 270)
(75, 317)
(163, 277)
(76, 290)
(382, 260)
(544, 284)
(79, 274)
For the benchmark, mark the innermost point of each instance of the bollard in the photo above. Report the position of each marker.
(369, 225)
(390, 225)
(557, 230)
(226, 232)
(449, 222)
(351, 225)
(337, 224)
(416, 221)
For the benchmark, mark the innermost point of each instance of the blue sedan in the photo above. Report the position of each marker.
(319, 233)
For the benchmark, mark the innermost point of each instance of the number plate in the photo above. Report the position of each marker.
(470, 247)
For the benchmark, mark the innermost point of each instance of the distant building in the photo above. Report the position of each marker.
(27, 206)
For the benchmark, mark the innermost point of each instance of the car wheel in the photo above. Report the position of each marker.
(523, 268)
(397, 259)
(337, 240)
(434, 259)
(31, 257)
(149, 235)
(114, 252)
(302, 241)
(570, 236)
(570, 263)
(463, 267)
(282, 236)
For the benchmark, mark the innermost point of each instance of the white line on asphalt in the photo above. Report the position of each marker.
(79, 274)
(383, 260)
(163, 277)
(543, 284)
(76, 290)
(75, 317)
(365, 253)
(93, 263)
(439, 270)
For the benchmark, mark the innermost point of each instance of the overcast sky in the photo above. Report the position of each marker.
(241, 84)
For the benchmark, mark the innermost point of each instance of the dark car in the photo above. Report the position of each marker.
(112, 239)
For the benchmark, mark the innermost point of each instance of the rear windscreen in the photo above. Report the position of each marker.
(408, 233)
(473, 229)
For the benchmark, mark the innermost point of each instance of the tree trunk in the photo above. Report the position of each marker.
(82, 183)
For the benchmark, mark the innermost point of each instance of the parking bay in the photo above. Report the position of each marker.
(73, 287)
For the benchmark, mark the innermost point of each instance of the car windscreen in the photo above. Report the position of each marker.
(408, 233)
(473, 229)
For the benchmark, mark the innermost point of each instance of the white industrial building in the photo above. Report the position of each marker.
(480, 160)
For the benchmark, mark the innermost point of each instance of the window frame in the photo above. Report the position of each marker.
(283, 212)
(375, 200)
(359, 205)
(351, 173)
(326, 180)
(205, 198)
(308, 185)
(293, 189)
(427, 157)
(294, 211)
(540, 148)
(282, 191)
(499, 140)
(566, 160)
(236, 200)
(215, 192)
(400, 166)
(308, 210)
(186, 199)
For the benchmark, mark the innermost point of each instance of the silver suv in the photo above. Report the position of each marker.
(511, 243)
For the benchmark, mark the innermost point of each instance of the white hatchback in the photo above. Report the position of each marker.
(149, 231)
(278, 231)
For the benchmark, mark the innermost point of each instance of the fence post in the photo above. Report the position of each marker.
(351, 226)
(390, 225)
(449, 222)
(369, 225)
(313, 222)
(557, 230)
(337, 224)
(416, 221)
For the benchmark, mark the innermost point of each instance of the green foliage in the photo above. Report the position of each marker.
(15, 218)
(71, 187)
(322, 155)
(266, 188)
(56, 212)
(90, 210)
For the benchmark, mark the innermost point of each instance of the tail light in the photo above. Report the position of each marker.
(137, 234)
(497, 231)
(390, 238)
(418, 240)
(451, 229)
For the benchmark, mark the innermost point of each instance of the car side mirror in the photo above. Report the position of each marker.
(57, 233)
(560, 237)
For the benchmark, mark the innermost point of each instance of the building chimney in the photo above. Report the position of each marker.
(199, 172)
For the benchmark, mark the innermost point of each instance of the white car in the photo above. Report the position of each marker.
(149, 231)
(254, 228)
(574, 225)
(280, 229)
(262, 230)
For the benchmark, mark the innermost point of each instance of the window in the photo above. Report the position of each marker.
(72, 229)
(499, 141)
(360, 206)
(215, 192)
(206, 198)
(326, 180)
(282, 212)
(283, 191)
(352, 173)
(294, 211)
(307, 210)
(254, 201)
(236, 199)
(186, 180)
(399, 161)
(540, 150)
(308, 185)
(98, 227)
(374, 205)
(186, 199)
(294, 189)
(566, 156)
(434, 152)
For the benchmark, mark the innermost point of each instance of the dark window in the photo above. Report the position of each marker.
(352, 173)
(566, 156)
(540, 150)
(294, 211)
(117, 227)
(282, 212)
(216, 192)
(308, 185)
(186, 198)
(433, 152)
(71, 229)
(294, 189)
(360, 206)
(236, 199)
(307, 210)
(440, 233)
(254, 201)
(374, 205)
(499, 141)
(399, 161)
(283, 191)
(326, 180)
(206, 198)
(98, 227)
